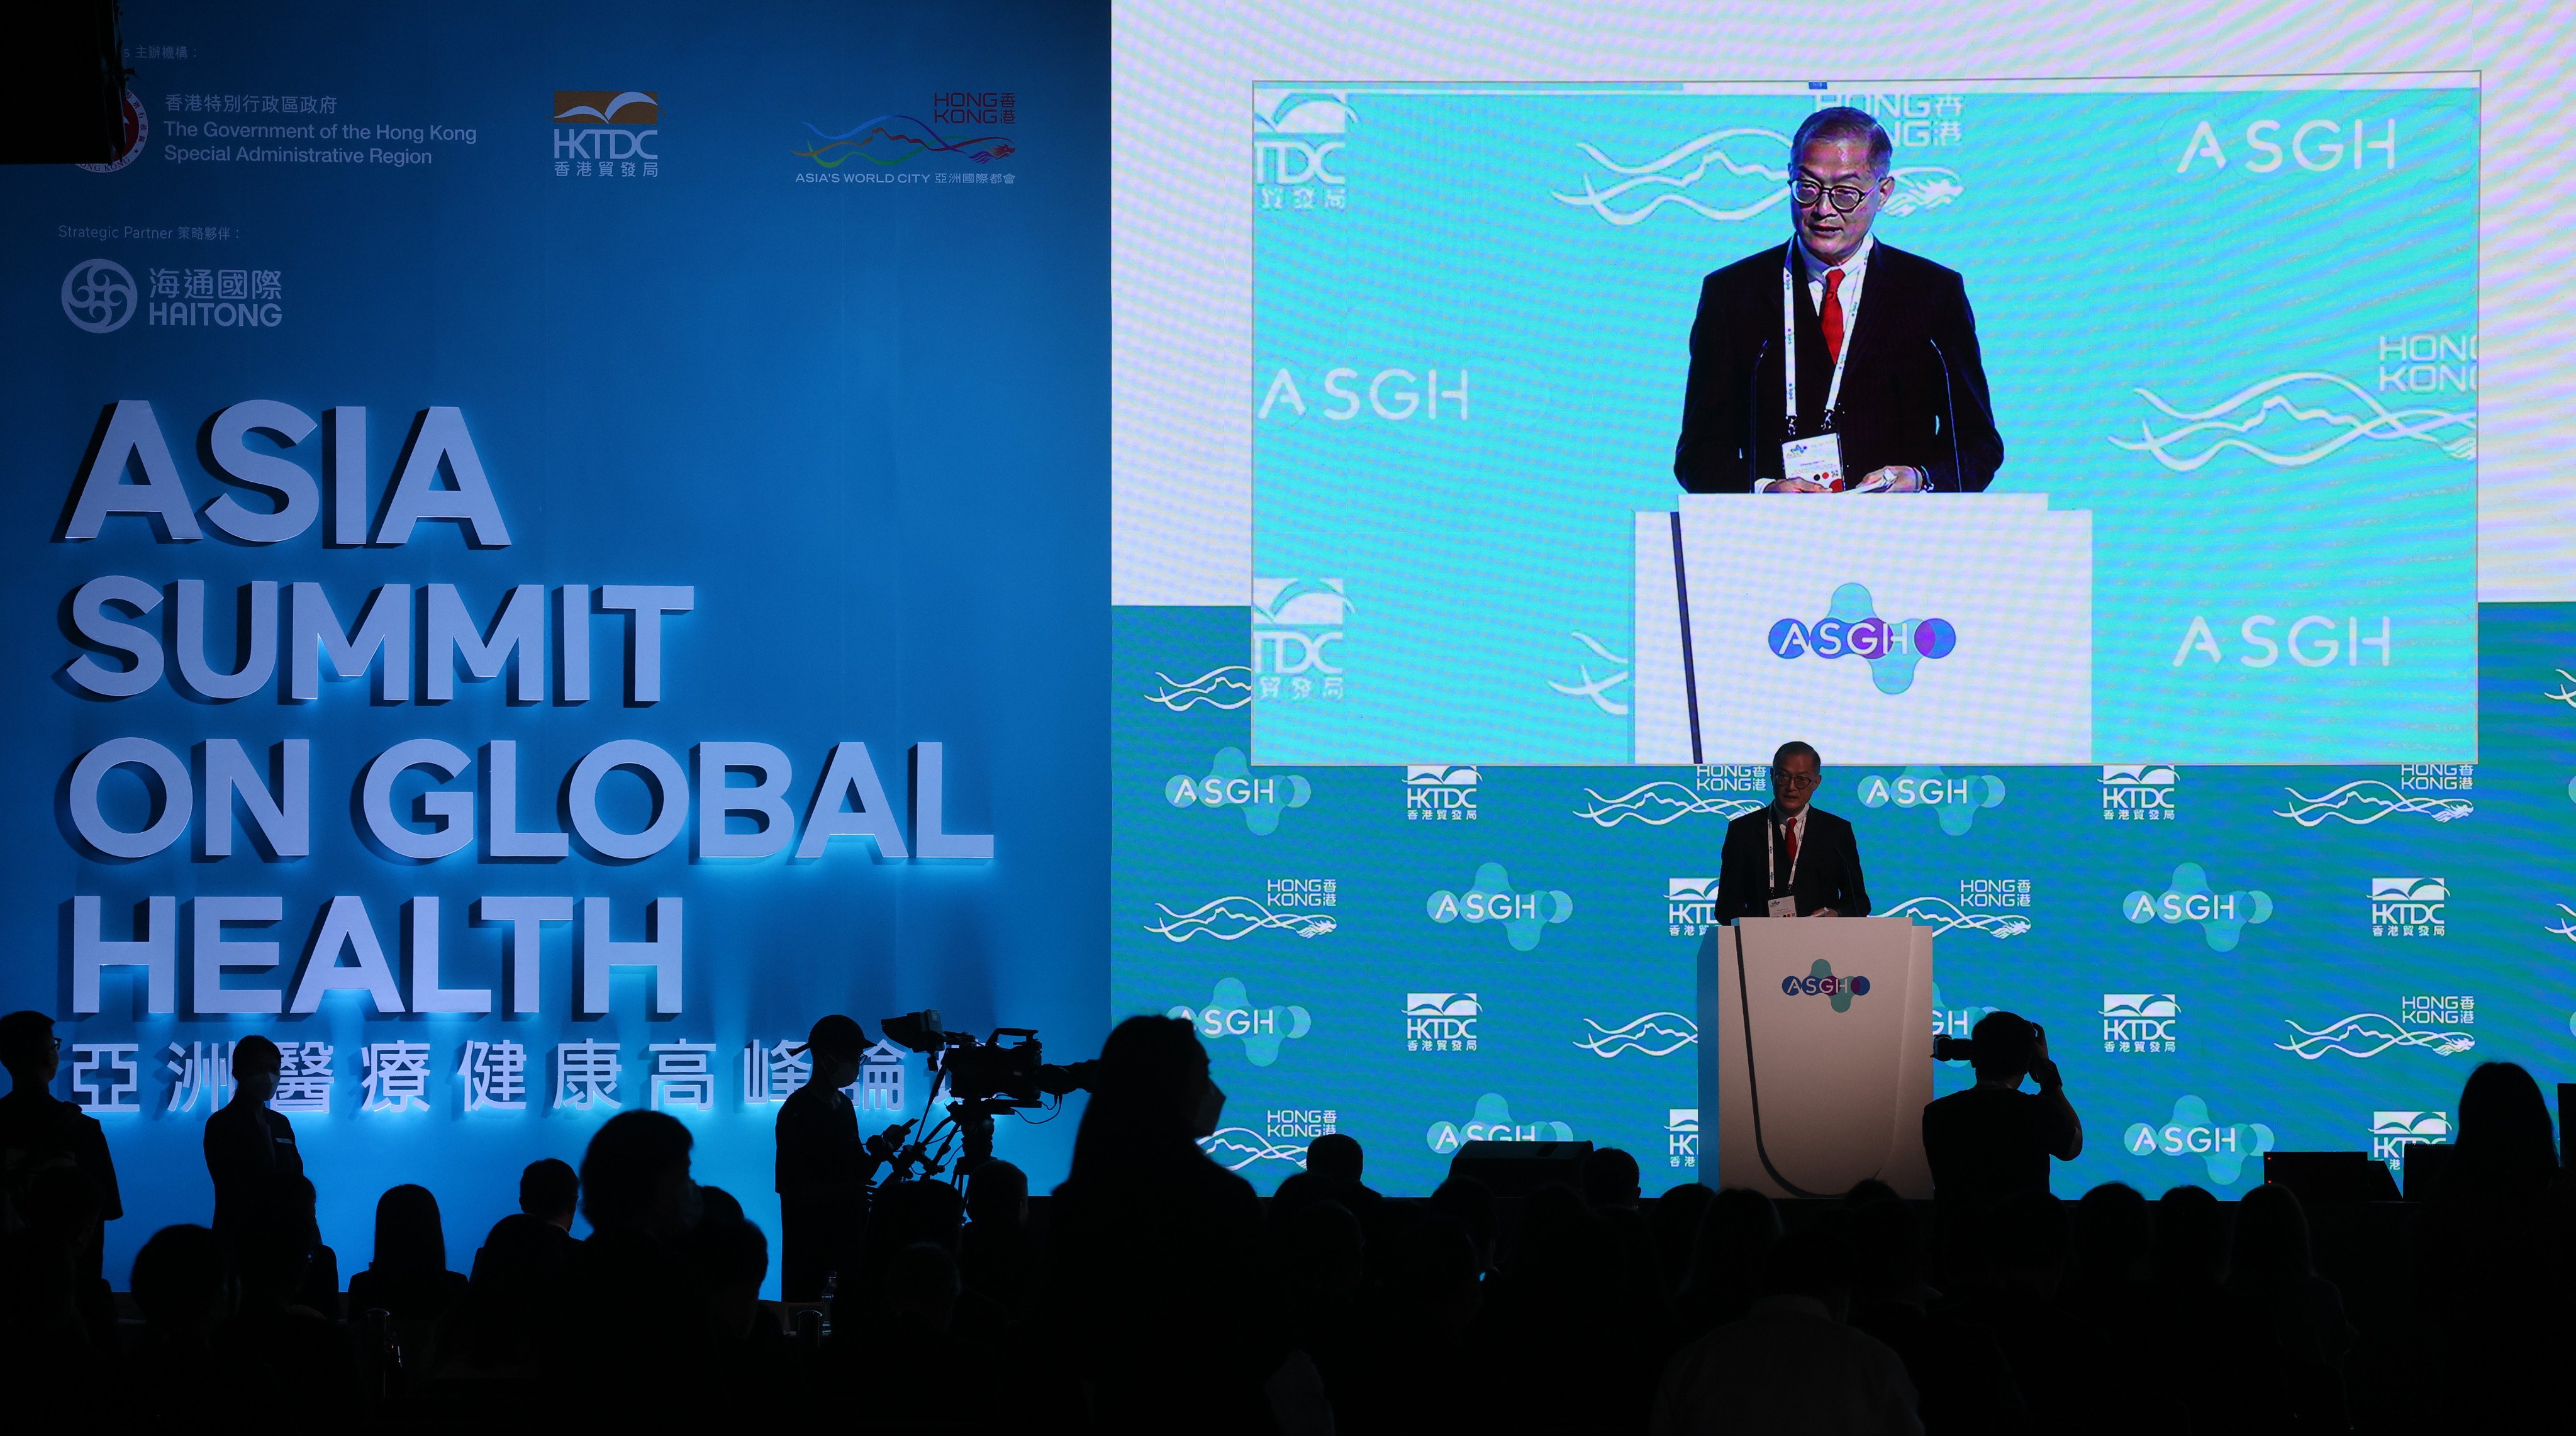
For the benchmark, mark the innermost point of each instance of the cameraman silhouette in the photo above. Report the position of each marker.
(1993, 1141)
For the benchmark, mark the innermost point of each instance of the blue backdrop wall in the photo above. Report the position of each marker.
(783, 327)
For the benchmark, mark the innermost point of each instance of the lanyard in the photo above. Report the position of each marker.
(1789, 348)
(1771, 858)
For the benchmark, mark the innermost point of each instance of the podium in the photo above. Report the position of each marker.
(1816, 1040)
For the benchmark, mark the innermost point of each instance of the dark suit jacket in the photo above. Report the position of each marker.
(246, 1144)
(1828, 867)
(1914, 371)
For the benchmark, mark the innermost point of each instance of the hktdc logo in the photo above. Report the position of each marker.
(1441, 1021)
(612, 134)
(1440, 792)
(2408, 907)
(1295, 624)
(1690, 906)
(1851, 625)
(2140, 792)
(1681, 1136)
(2139, 1021)
(2391, 1133)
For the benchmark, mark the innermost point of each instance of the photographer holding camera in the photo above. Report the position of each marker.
(1993, 1141)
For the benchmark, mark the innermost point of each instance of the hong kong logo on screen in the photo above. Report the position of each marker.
(1851, 627)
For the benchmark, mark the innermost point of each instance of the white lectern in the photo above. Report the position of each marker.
(1816, 1039)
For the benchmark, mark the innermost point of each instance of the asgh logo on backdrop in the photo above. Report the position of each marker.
(1851, 626)
(2191, 1132)
(1954, 800)
(1492, 1122)
(1229, 783)
(1229, 1013)
(1525, 916)
(2223, 917)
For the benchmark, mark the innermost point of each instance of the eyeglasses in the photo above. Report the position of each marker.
(1846, 198)
(1781, 779)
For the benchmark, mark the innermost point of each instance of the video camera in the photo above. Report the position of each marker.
(991, 1072)
(1964, 1049)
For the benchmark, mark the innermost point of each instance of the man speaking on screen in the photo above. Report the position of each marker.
(1836, 363)
(1790, 859)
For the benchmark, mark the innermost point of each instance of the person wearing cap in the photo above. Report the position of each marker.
(823, 1169)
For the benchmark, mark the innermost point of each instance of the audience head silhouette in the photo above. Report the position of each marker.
(1151, 1098)
(635, 1176)
(1610, 1178)
(550, 1191)
(409, 1238)
(998, 1193)
(1336, 1157)
(29, 1050)
(2504, 1140)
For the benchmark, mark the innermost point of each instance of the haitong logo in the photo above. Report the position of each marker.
(1492, 1122)
(1229, 783)
(1229, 1013)
(2189, 898)
(1525, 916)
(1953, 799)
(2191, 1132)
(1851, 625)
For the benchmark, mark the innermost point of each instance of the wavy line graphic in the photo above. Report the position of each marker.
(2566, 689)
(1215, 688)
(2381, 422)
(1231, 918)
(1642, 189)
(927, 141)
(1225, 1142)
(2376, 798)
(1945, 916)
(2566, 929)
(1660, 802)
(2367, 1034)
(1596, 689)
(2410, 1124)
(1657, 1034)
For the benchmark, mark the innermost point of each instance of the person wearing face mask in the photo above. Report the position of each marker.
(1141, 1228)
(247, 1145)
(1798, 386)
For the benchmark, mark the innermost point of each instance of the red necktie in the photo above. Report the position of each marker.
(1789, 831)
(1833, 315)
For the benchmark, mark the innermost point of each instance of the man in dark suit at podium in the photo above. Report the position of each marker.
(1790, 859)
(1874, 365)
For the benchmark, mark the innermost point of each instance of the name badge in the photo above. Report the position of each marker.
(1784, 907)
(1817, 459)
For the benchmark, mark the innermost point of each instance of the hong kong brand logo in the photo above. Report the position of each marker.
(1230, 783)
(1942, 915)
(1229, 1013)
(1492, 1121)
(2425, 1022)
(1235, 917)
(1851, 627)
(2364, 801)
(2223, 917)
(1657, 1034)
(1281, 1137)
(1525, 916)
